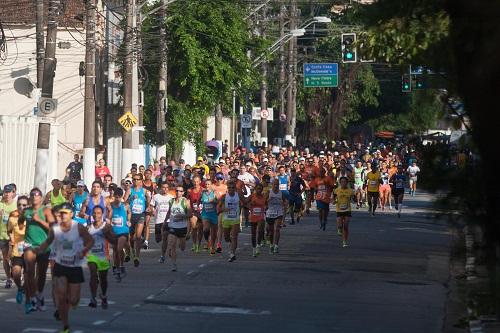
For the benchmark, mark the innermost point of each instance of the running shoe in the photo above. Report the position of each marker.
(324, 226)
(56, 315)
(205, 247)
(115, 271)
(40, 304)
(344, 244)
(198, 248)
(232, 258)
(122, 272)
(93, 303)
(104, 302)
(118, 277)
(399, 215)
(219, 248)
(307, 211)
(28, 308)
(339, 231)
(174, 267)
(136, 262)
(161, 260)
(357, 206)
(127, 258)
(193, 248)
(19, 296)
(65, 330)
(257, 250)
(254, 252)
(212, 251)
(145, 245)
(8, 284)
(276, 249)
(271, 249)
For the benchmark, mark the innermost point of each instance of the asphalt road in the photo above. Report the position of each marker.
(392, 278)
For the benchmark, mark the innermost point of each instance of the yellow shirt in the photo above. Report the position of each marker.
(343, 199)
(17, 235)
(373, 181)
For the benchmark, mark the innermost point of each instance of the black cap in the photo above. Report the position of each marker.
(66, 207)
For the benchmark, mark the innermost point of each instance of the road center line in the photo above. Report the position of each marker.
(99, 322)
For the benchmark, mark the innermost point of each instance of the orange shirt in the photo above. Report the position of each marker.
(324, 187)
(257, 207)
(220, 190)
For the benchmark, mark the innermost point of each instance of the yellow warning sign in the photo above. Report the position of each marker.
(128, 120)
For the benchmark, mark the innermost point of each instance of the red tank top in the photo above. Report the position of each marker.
(195, 198)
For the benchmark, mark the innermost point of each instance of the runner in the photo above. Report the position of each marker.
(138, 199)
(98, 257)
(295, 200)
(257, 204)
(120, 217)
(179, 212)
(359, 180)
(77, 199)
(72, 242)
(16, 230)
(95, 199)
(194, 196)
(151, 187)
(220, 189)
(38, 222)
(413, 171)
(284, 180)
(160, 203)
(275, 202)
(385, 188)
(397, 182)
(55, 197)
(209, 215)
(324, 186)
(229, 205)
(373, 181)
(343, 197)
(7, 206)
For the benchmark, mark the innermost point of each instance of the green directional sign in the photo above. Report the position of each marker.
(321, 75)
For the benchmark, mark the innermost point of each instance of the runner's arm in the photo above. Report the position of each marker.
(88, 241)
(45, 245)
(109, 234)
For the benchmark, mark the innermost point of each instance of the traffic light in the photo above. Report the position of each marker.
(348, 47)
(406, 83)
(419, 82)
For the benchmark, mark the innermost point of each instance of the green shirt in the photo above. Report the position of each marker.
(4, 218)
(36, 234)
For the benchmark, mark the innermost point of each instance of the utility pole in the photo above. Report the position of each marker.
(39, 43)
(42, 153)
(263, 85)
(218, 122)
(282, 65)
(290, 128)
(127, 151)
(139, 61)
(89, 102)
(161, 97)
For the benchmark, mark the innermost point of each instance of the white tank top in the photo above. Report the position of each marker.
(233, 203)
(68, 246)
(99, 248)
(178, 210)
(275, 205)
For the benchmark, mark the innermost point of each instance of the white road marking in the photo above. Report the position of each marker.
(150, 297)
(116, 314)
(136, 305)
(40, 330)
(425, 231)
(202, 265)
(212, 260)
(99, 322)
(190, 272)
(217, 310)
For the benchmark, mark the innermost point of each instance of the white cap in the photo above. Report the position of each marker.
(80, 183)
(248, 164)
(336, 153)
(265, 159)
(302, 159)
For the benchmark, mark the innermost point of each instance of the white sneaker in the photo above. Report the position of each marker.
(254, 252)
(276, 249)
(344, 244)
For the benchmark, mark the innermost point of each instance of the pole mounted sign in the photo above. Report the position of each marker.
(47, 106)
(246, 121)
(128, 120)
(321, 75)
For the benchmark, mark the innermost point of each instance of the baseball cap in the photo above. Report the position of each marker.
(65, 208)
(200, 158)
(80, 183)
(128, 180)
(265, 159)
(221, 161)
(8, 188)
(302, 159)
(219, 176)
(336, 153)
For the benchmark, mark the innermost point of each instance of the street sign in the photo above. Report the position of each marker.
(128, 120)
(47, 105)
(246, 121)
(321, 75)
(283, 117)
(264, 114)
(257, 113)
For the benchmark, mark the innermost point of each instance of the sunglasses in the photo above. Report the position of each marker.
(35, 194)
(22, 205)
(136, 179)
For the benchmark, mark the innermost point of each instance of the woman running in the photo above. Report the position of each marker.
(194, 197)
(229, 205)
(397, 182)
(209, 215)
(385, 188)
(257, 204)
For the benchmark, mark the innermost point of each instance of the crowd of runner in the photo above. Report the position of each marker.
(109, 224)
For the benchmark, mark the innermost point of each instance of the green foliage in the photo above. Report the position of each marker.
(207, 59)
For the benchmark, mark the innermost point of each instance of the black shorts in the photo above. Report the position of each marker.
(72, 274)
(126, 235)
(344, 214)
(397, 192)
(158, 231)
(43, 258)
(135, 220)
(177, 232)
(17, 261)
(271, 220)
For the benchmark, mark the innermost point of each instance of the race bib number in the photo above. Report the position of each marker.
(68, 260)
(177, 218)
(321, 195)
(209, 207)
(272, 212)
(373, 183)
(399, 184)
(20, 247)
(283, 187)
(257, 211)
(232, 213)
(137, 208)
(117, 221)
(195, 206)
(343, 206)
(99, 248)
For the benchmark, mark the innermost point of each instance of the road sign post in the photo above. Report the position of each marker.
(47, 105)
(246, 121)
(321, 75)
(128, 120)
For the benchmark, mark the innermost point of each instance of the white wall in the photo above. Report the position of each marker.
(67, 132)
(226, 128)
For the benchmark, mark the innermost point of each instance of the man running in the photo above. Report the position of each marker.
(373, 181)
(77, 199)
(160, 204)
(71, 243)
(295, 201)
(359, 181)
(38, 222)
(343, 197)
(397, 182)
(324, 186)
(179, 212)
(413, 171)
(229, 205)
(55, 197)
(138, 199)
(17, 229)
(120, 217)
(7, 206)
(98, 258)
(209, 215)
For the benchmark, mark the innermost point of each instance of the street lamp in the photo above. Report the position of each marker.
(273, 48)
(316, 19)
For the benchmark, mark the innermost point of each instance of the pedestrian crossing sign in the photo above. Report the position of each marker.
(128, 120)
